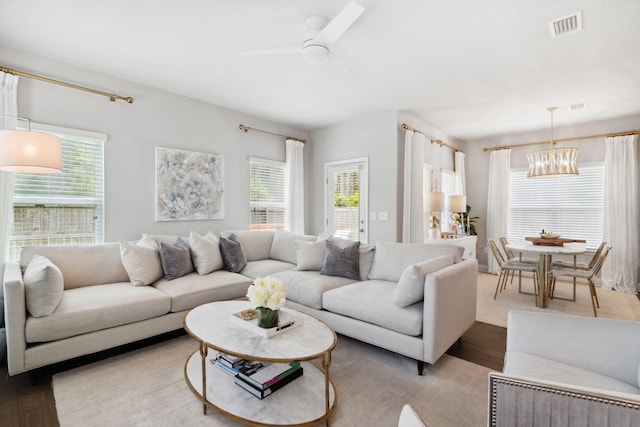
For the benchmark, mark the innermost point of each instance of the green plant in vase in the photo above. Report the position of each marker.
(269, 295)
(469, 222)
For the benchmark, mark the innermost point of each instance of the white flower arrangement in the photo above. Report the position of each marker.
(269, 292)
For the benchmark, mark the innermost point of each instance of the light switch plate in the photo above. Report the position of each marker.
(383, 216)
(373, 216)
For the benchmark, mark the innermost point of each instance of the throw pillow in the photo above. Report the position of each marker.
(310, 255)
(43, 286)
(341, 261)
(283, 247)
(205, 252)
(410, 288)
(366, 260)
(141, 261)
(232, 254)
(175, 259)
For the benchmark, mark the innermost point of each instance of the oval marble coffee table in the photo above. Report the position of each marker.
(307, 400)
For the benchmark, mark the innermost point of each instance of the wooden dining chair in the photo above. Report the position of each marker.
(507, 266)
(588, 275)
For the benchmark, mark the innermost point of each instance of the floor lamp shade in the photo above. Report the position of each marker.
(457, 203)
(25, 151)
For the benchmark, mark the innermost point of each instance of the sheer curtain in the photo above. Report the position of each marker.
(412, 206)
(620, 271)
(498, 199)
(8, 107)
(461, 186)
(294, 187)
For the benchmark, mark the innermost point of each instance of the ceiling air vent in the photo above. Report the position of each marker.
(577, 107)
(566, 25)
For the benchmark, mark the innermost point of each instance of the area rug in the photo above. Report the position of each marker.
(613, 304)
(146, 387)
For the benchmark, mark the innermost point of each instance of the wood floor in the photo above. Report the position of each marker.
(27, 399)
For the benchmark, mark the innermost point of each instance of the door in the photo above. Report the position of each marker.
(346, 203)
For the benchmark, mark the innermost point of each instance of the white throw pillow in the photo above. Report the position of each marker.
(142, 261)
(310, 255)
(410, 288)
(283, 247)
(43, 286)
(205, 252)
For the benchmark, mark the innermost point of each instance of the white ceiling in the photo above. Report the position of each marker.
(471, 68)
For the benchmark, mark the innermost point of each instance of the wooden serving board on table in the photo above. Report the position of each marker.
(553, 242)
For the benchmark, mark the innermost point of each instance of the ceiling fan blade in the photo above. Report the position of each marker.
(274, 51)
(341, 23)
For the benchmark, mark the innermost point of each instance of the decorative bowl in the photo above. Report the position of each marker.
(549, 235)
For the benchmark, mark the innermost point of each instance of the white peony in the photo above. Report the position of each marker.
(267, 292)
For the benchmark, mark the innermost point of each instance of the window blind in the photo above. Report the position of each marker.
(64, 208)
(572, 207)
(267, 193)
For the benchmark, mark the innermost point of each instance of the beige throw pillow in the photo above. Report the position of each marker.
(410, 288)
(310, 255)
(205, 252)
(142, 261)
(43, 286)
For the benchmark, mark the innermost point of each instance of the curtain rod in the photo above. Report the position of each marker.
(112, 96)
(580, 138)
(247, 129)
(432, 139)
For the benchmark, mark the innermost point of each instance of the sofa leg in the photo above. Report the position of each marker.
(420, 367)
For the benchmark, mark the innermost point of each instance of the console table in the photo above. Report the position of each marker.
(307, 400)
(467, 242)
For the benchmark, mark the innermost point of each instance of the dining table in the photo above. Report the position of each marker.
(545, 253)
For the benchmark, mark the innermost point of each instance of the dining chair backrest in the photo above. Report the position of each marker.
(596, 256)
(508, 252)
(598, 264)
(496, 252)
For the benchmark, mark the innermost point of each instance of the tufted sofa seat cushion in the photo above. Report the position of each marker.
(92, 308)
(372, 302)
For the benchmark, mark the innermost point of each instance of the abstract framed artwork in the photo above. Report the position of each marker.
(189, 185)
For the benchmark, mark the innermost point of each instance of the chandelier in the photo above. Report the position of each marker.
(554, 161)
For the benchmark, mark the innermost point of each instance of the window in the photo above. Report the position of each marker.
(447, 186)
(65, 208)
(572, 207)
(266, 198)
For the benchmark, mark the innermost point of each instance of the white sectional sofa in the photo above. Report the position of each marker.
(109, 294)
(567, 370)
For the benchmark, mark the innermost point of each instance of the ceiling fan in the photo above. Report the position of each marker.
(320, 34)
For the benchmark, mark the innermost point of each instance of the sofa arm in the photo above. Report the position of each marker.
(520, 401)
(15, 318)
(610, 347)
(450, 296)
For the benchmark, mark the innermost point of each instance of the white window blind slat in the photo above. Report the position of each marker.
(266, 194)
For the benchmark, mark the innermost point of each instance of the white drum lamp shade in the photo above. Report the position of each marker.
(434, 201)
(25, 151)
(457, 203)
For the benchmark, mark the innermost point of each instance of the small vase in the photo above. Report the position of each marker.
(267, 318)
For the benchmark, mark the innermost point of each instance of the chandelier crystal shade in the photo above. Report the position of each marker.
(554, 161)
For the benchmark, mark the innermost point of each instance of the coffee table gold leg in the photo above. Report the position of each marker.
(326, 362)
(203, 355)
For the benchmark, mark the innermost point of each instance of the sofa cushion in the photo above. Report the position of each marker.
(343, 261)
(371, 301)
(43, 286)
(175, 259)
(367, 253)
(541, 368)
(100, 263)
(193, 289)
(93, 308)
(307, 287)
(410, 288)
(141, 261)
(233, 254)
(283, 247)
(256, 244)
(265, 267)
(310, 255)
(205, 252)
(391, 259)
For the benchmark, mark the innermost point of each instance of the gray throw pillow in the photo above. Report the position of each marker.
(232, 254)
(342, 261)
(175, 259)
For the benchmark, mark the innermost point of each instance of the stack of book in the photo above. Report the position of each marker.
(228, 363)
(261, 379)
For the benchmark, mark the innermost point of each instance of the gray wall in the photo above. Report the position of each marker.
(156, 118)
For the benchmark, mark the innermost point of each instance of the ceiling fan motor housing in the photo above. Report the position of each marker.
(314, 51)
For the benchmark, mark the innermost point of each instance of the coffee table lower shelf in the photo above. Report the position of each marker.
(299, 403)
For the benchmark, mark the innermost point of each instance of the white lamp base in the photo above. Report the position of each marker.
(434, 233)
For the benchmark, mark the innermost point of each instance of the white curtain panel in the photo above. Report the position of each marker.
(461, 183)
(294, 187)
(620, 270)
(8, 112)
(498, 199)
(413, 206)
